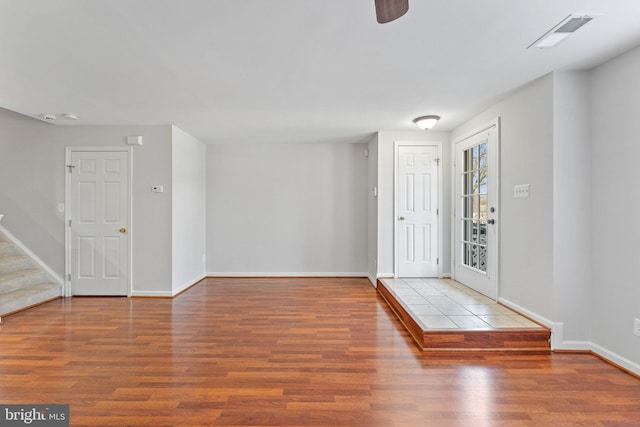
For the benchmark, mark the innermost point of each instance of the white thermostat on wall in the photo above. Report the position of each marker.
(157, 189)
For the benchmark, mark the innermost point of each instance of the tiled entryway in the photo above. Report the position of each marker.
(444, 304)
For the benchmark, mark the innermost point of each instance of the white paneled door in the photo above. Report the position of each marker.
(99, 222)
(417, 211)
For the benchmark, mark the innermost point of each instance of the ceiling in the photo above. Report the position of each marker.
(287, 70)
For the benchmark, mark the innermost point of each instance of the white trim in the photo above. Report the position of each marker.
(385, 275)
(283, 274)
(26, 250)
(573, 346)
(488, 125)
(556, 327)
(558, 342)
(164, 294)
(67, 211)
(189, 283)
(528, 313)
(616, 358)
(372, 281)
(438, 145)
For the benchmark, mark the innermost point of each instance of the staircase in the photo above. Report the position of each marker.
(23, 283)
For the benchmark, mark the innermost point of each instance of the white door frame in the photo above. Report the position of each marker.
(396, 145)
(68, 211)
(495, 123)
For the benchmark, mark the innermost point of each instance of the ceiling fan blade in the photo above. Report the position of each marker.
(388, 10)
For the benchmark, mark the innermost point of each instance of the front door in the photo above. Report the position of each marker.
(417, 211)
(475, 218)
(98, 222)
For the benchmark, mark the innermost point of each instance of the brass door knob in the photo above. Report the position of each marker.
(123, 230)
(401, 218)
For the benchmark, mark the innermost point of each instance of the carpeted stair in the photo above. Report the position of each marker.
(23, 283)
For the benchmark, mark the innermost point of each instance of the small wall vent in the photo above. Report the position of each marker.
(562, 30)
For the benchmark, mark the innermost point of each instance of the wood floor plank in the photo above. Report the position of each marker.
(285, 352)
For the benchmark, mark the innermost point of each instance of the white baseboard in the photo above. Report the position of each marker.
(164, 294)
(284, 274)
(385, 275)
(558, 343)
(26, 250)
(188, 284)
(530, 314)
(623, 362)
(373, 281)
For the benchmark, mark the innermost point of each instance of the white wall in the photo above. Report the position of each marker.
(526, 229)
(286, 209)
(385, 205)
(571, 209)
(32, 183)
(189, 205)
(615, 205)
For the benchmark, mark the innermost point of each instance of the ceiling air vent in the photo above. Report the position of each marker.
(566, 27)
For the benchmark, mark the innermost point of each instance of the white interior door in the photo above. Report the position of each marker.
(99, 228)
(417, 223)
(476, 212)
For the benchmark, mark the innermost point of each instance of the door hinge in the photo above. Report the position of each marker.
(437, 261)
(437, 162)
(69, 223)
(68, 277)
(437, 211)
(70, 168)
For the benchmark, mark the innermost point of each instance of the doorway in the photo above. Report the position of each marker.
(476, 210)
(98, 218)
(417, 202)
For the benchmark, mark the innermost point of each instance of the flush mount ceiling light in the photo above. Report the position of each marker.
(426, 122)
(565, 28)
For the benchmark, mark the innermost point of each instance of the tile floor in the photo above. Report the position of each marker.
(447, 304)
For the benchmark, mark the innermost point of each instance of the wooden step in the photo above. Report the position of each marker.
(526, 340)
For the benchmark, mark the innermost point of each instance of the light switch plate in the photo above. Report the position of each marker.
(521, 190)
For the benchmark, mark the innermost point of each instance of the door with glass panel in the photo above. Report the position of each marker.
(476, 212)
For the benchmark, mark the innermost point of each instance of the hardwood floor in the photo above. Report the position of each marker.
(283, 352)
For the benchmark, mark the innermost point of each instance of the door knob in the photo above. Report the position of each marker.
(123, 230)
(401, 218)
(491, 221)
